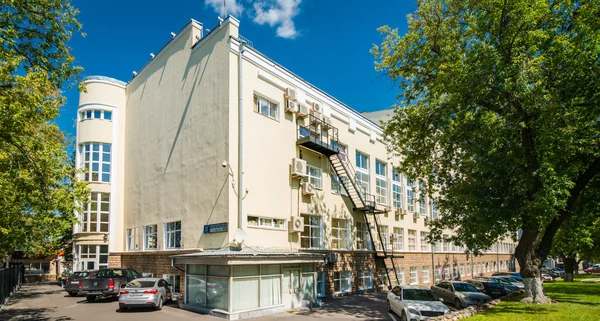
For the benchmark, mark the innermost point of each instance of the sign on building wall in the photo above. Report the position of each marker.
(215, 228)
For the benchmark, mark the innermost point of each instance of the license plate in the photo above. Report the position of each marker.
(74, 282)
(495, 292)
(136, 294)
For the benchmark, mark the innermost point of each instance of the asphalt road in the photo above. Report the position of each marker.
(47, 302)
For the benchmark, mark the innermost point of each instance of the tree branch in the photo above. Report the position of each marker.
(580, 184)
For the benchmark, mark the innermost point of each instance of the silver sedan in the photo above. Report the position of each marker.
(145, 292)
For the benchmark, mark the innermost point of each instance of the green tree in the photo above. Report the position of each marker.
(38, 189)
(498, 113)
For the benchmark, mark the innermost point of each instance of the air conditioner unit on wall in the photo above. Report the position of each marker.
(296, 224)
(298, 167)
(302, 110)
(291, 106)
(316, 107)
(308, 189)
(291, 93)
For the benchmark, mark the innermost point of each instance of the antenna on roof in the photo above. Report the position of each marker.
(173, 34)
(152, 55)
(134, 73)
(220, 20)
(207, 30)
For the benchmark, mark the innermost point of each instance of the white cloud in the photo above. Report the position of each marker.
(233, 7)
(278, 13)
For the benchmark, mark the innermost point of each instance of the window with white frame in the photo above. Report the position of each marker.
(401, 278)
(385, 238)
(462, 269)
(382, 276)
(150, 237)
(468, 268)
(312, 236)
(266, 107)
(447, 275)
(363, 242)
(129, 240)
(257, 221)
(424, 242)
(342, 281)
(173, 235)
(96, 212)
(380, 182)
(339, 234)
(398, 239)
(455, 271)
(365, 279)
(446, 243)
(435, 212)
(412, 240)
(425, 274)
(397, 188)
(410, 195)
(414, 275)
(174, 281)
(362, 172)
(438, 273)
(314, 176)
(96, 114)
(95, 162)
(422, 198)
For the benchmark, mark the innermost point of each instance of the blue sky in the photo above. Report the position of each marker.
(326, 42)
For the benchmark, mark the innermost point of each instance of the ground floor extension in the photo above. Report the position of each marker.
(249, 283)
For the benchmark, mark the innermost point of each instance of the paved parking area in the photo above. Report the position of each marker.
(48, 302)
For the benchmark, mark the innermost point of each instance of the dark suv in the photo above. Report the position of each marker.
(491, 288)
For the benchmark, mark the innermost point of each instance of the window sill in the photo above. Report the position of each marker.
(267, 228)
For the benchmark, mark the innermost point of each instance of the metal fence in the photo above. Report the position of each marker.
(10, 280)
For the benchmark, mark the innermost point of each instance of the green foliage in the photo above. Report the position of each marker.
(38, 189)
(499, 113)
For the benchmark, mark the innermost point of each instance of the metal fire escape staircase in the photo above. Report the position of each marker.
(318, 135)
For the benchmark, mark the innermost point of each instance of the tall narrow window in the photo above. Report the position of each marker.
(95, 215)
(401, 278)
(314, 176)
(339, 234)
(412, 240)
(425, 274)
(129, 239)
(363, 242)
(336, 184)
(435, 212)
(385, 237)
(362, 172)
(150, 237)
(422, 198)
(95, 162)
(380, 182)
(398, 239)
(342, 281)
(414, 275)
(397, 188)
(424, 242)
(365, 280)
(173, 235)
(446, 243)
(311, 237)
(410, 195)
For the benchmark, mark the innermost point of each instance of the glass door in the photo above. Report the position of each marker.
(292, 291)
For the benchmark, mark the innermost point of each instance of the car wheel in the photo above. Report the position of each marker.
(72, 293)
(457, 303)
(160, 304)
(123, 309)
(403, 316)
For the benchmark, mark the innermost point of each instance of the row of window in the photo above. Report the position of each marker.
(95, 215)
(95, 161)
(95, 114)
(171, 237)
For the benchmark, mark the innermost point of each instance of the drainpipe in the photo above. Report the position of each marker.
(240, 135)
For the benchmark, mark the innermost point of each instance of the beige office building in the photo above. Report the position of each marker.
(315, 208)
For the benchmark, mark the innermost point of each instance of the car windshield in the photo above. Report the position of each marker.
(141, 284)
(494, 285)
(510, 280)
(464, 287)
(501, 281)
(419, 295)
(110, 273)
(81, 274)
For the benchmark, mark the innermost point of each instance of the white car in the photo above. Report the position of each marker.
(547, 278)
(415, 303)
(145, 292)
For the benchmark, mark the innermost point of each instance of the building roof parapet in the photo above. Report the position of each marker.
(104, 79)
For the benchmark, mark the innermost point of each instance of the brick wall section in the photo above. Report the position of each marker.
(356, 261)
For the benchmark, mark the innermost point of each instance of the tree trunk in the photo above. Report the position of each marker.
(570, 267)
(530, 263)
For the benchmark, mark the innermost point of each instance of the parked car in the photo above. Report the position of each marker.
(515, 275)
(547, 278)
(489, 287)
(72, 281)
(593, 269)
(145, 292)
(560, 272)
(462, 294)
(512, 281)
(415, 303)
(106, 283)
(550, 272)
(509, 287)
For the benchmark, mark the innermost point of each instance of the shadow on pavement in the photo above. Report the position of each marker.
(30, 314)
(366, 307)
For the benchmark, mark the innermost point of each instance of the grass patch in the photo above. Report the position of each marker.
(577, 301)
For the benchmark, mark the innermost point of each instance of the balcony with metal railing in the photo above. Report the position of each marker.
(318, 135)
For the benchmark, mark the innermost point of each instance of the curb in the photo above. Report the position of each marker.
(472, 310)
